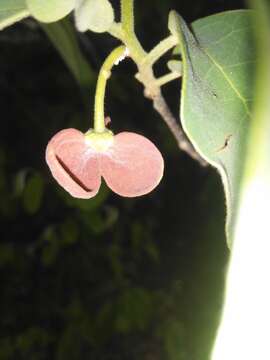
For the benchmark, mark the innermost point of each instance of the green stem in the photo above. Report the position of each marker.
(125, 32)
(159, 50)
(129, 36)
(167, 78)
(104, 74)
(127, 15)
(116, 30)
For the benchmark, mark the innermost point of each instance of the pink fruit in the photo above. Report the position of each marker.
(130, 164)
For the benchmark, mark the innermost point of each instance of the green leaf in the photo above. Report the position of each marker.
(114, 254)
(51, 248)
(173, 338)
(135, 310)
(20, 181)
(50, 10)
(246, 307)
(6, 348)
(12, 11)
(33, 194)
(217, 91)
(94, 15)
(63, 36)
(6, 254)
(152, 250)
(87, 205)
(69, 232)
(30, 338)
(99, 223)
(49, 254)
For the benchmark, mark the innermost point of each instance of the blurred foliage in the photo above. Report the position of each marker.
(107, 278)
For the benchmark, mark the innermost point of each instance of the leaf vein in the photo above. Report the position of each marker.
(220, 68)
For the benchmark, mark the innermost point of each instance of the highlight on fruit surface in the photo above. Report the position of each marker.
(130, 164)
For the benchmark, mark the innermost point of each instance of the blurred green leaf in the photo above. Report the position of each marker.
(135, 310)
(2, 181)
(152, 250)
(74, 310)
(51, 247)
(50, 10)
(69, 232)
(12, 11)
(94, 15)
(70, 344)
(6, 254)
(49, 234)
(2, 157)
(6, 348)
(97, 222)
(112, 215)
(49, 253)
(173, 337)
(93, 221)
(217, 92)
(105, 316)
(104, 323)
(33, 193)
(34, 336)
(87, 205)
(64, 38)
(137, 233)
(115, 253)
(20, 181)
(8, 205)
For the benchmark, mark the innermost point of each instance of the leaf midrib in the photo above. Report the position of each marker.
(232, 85)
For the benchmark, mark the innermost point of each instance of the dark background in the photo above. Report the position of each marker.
(107, 278)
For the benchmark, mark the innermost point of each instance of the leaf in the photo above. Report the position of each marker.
(51, 249)
(94, 15)
(49, 254)
(173, 338)
(153, 251)
(71, 344)
(50, 10)
(135, 310)
(69, 232)
(114, 254)
(6, 348)
(246, 307)
(63, 36)
(89, 205)
(33, 337)
(12, 11)
(6, 254)
(33, 194)
(217, 92)
(20, 181)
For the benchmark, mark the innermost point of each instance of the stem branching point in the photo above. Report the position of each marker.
(125, 32)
